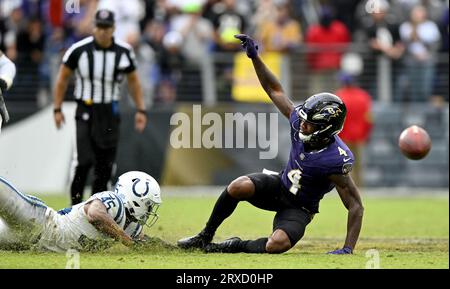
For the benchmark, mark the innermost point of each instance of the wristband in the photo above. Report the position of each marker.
(143, 111)
(347, 250)
(57, 110)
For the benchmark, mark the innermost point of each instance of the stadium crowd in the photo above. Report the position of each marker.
(168, 35)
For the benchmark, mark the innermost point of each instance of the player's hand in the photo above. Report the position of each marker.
(58, 116)
(343, 251)
(140, 121)
(251, 48)
(147, 242)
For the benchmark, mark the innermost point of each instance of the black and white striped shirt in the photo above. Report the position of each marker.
(99, 71)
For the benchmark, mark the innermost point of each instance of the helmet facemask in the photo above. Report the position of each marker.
(143, 215)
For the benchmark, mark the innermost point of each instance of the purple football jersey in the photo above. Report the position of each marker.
(306, 173)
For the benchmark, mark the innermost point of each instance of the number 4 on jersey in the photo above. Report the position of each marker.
(342, 152)
(295, 176)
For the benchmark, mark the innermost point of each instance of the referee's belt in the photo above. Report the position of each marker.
(87, 102)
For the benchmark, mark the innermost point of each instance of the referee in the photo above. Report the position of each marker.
(99, 63)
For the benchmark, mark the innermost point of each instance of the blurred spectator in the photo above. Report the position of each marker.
(7, 39)
(421, 37)
(209, 10)
(263, 13)
(149, 13)
(11, 17)
(79, 25)
(196, 32)
(171, 64)
(380, 31)
(402, 8)
(30, 51)
(440, 83)
(345, 12)
(167, 60)
(128, 15)
(281, 34)
(326, 41)
(444, 27)
(227, 23)
(358, 124)
(383, 34)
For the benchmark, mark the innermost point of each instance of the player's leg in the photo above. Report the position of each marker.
(240, 189)
(5, 233)
(20, 212)
(104, 160)
(288, 228)
(83, 157)
(259, 189)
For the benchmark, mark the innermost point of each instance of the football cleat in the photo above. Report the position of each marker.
(231, 245)
(198, 241)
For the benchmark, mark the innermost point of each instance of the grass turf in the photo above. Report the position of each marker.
(407, 232)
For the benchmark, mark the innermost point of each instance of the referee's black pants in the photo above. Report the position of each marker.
(97, 131)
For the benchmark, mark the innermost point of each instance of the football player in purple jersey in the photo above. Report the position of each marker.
(318, 162)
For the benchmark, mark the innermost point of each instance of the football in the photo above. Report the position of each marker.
(414, 142)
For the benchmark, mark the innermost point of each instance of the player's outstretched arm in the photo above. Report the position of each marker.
(268, 81)
(7, 74)
(98, 216)
(351, 198)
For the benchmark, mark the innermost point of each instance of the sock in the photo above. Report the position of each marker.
(223, 208)
(254, 246)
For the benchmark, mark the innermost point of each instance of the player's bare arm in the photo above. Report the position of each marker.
(273, 87)
(269, 82)
(134, 86)
(351, 199)
(62, 82)
(98, 216)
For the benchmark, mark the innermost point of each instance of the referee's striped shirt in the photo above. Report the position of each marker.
(99, 71)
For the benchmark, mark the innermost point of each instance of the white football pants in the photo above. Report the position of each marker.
(22, 217)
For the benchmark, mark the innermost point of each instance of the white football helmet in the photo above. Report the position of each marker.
(141, 196)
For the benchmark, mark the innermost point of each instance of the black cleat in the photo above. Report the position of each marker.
(231, 245)
(198, 241)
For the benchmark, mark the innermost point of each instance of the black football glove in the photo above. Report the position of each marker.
(251, 48)
(3, 111)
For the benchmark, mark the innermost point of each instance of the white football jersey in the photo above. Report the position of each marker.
(69, 228)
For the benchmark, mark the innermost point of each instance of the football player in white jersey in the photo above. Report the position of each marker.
(7, 73)
(111, 215)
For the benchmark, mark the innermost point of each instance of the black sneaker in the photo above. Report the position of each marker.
(198, 241)
(230, 245)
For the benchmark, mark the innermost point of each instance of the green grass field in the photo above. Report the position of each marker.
(407, 232)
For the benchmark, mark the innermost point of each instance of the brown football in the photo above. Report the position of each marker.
(414, 142)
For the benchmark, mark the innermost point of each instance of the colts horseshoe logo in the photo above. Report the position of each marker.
(136, 181)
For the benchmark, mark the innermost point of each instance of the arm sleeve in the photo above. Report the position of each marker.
(113, 204)
(132, 61)
(341, 164)
(70, 58)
